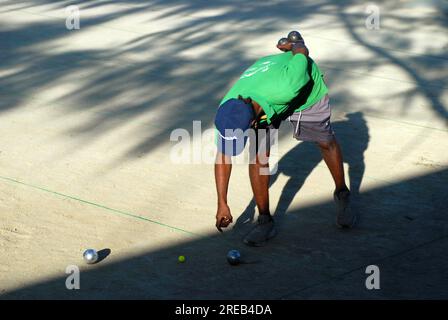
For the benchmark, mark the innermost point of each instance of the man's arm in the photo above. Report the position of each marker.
(223, 169)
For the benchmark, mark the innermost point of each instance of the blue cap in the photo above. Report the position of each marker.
(232, 120)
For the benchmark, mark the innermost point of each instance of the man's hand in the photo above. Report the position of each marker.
(223, 217)
(285, 47)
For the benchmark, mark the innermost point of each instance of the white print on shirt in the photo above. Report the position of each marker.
(254, 70)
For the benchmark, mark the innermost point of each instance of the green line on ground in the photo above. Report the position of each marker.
(97, 205)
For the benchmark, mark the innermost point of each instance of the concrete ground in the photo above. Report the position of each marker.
(85, 151)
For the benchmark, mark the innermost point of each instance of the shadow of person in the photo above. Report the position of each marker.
(353, 137)
(354, 140)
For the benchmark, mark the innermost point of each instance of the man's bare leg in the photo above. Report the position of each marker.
(259, 180)
(260, 183)
(332, 155)
(331, 152)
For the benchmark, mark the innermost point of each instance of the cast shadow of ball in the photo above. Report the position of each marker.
(103, 254)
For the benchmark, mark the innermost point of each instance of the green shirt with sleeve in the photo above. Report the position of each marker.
(273, 81)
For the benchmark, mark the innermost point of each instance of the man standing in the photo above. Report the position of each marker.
(287, 85)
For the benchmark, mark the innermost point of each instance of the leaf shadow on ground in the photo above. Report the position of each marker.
(159, 81)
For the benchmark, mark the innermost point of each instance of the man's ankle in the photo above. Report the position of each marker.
(342, 189)
(264, 218)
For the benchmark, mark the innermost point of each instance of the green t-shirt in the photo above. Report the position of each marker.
(273, 81)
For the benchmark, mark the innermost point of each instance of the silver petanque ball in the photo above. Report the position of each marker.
(234, 257)
(282, 42)
(294, 36)
(90, 256)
